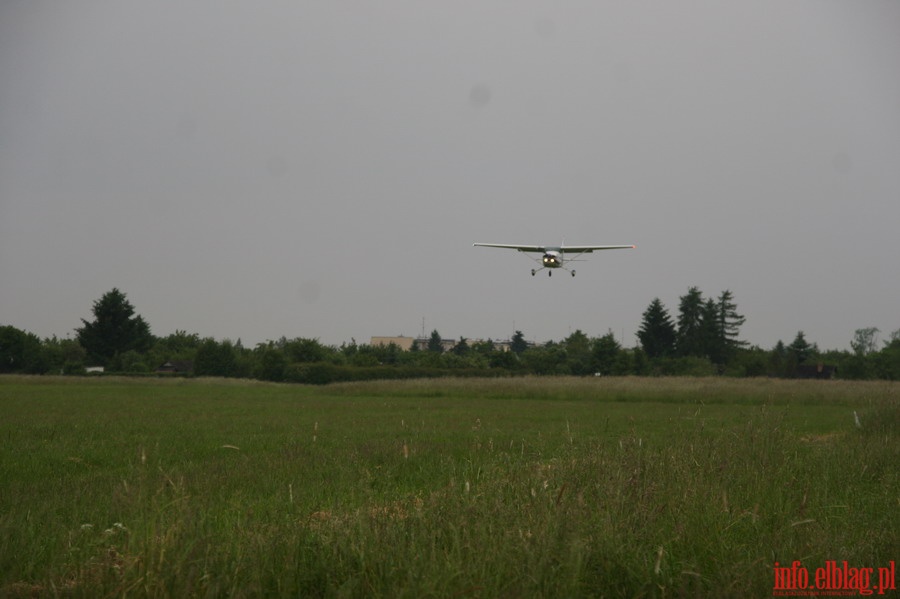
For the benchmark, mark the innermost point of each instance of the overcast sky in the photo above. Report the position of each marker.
(321, 169)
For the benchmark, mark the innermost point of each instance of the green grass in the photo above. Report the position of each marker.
(445, 488)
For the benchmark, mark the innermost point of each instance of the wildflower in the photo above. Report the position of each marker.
(115, 529)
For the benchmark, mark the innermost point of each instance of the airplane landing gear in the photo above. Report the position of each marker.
(573, 273)
(549, 273)
(532, 272)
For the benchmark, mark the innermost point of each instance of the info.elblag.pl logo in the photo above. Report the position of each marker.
(832, 580)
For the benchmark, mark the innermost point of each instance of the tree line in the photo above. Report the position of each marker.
(701, 339)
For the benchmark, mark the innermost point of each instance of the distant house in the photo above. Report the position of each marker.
(816, 371)
(406, 343)
(176, 367)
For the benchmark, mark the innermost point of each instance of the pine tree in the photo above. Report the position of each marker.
(689, 340)
(462, 347)
(657, 333)
(435, 343)
(518, 344)
(712, 340)
(114, 330)
(778, 360)
(801, 350)
(730, 323)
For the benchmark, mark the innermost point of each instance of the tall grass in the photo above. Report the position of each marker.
(529, 487)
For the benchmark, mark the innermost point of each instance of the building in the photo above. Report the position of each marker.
(176, 367)
(406, 343)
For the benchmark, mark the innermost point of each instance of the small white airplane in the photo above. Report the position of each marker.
(554, 256)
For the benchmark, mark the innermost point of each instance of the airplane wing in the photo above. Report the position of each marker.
(521, 248)
(571, 249)
(586, 249)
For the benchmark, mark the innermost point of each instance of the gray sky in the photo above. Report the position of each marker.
(321, 169)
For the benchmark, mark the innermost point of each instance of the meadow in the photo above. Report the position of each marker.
(528, 487)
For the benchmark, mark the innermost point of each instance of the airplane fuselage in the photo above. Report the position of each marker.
(552, 259)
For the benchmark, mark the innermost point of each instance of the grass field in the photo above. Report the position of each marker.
(442, 488)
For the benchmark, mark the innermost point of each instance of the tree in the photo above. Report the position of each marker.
(504, 359)
(114, 330)
(638, 362)
(271, 364)
(748, 362)
(607, 353)
(657, 333)
(215, 359)
(865, 341)
(778, 364)
(64, 356)
(462, 347)
(800, 349)
(689, 339)
(304, 350)
(378, 354)
(887, 361)
(20, 351)
(730, 323)
(578, 353)
(179, 346)
(549, 359)
(518, 344)
(434, 342)
(483, 348)
(130, 361)
(712, 341)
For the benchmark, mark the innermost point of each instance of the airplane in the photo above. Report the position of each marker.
(554, 256)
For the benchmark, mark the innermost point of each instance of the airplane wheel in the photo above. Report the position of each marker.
(549, 273)
(573, 273)
(532, 272)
